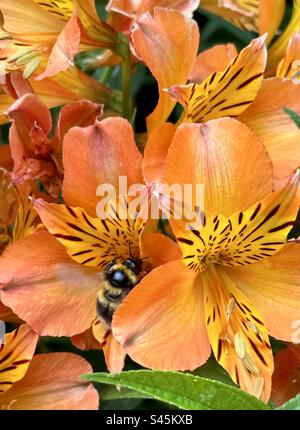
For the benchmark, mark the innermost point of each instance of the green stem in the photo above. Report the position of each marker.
(124, 51)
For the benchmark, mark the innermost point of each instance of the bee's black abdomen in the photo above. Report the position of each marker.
(105, 312)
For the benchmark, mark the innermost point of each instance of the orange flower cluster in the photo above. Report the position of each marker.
(120, 284)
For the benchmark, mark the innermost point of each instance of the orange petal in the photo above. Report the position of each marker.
(28, 139)
(25, 16)
(237, 333)
(156, 151)
(161, 322)
(239, 13)
(64, 50)
(44, 287)
(71, 85)
(277, 50)
(133, 8)
(91, 241)
(271, 13)
(207, 154)
(272, 285)
(286, 378)
(289, 66)
(81, 113)
(53, 382)
(28, 110)
(226, 93)
(212, 60)
(167, 42)
(98, 155)
(245, 237)
(62, 8)
(15, 355)
(159, 249)
(275, 128)
(114, 354)
(86, 340)
(26, 218)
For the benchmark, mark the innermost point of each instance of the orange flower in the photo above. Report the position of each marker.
(66, 266)
(237, 89)
(261, 17)
(45, 381)
(160, 41)
(35, 155)
(238, 279)
(257, 16)
(18, 217)
(65, 87)
(35, 31)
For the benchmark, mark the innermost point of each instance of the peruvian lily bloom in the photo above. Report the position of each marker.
(286, 377)
(33, 31)
(18, 219)
(45, 381)
(238, 278)
(63, 267)
(239, 90)
(65, 87)
(261, 17)
(35, 155)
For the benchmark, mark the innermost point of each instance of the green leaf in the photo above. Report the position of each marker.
(183, 390)
(109, 392)
(292, 405)
(293, 115)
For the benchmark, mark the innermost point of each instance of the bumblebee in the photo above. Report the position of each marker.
(120, 278)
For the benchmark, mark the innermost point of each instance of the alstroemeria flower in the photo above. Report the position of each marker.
(258, 16)
(238, 280)
(239, 90)
(35, 155)
(45, 381)
(261, 17)
(33, 31)
(60, 274)
(286, 377)
(65, 87)
(160, 41)
(18, 219)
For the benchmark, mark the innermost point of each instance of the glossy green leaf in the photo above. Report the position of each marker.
(291, 405)
(183, 390)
